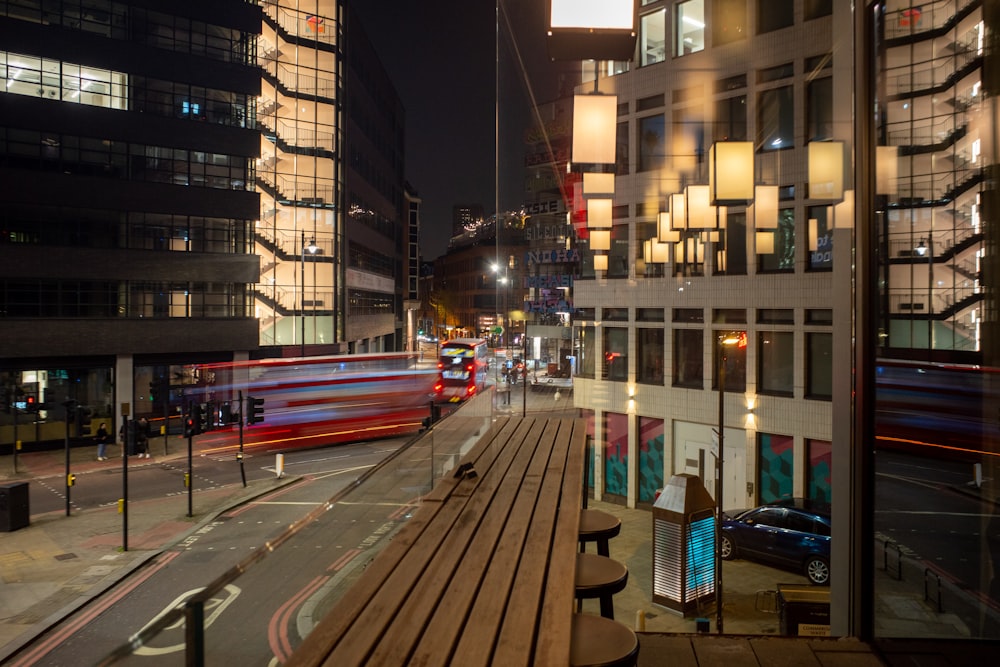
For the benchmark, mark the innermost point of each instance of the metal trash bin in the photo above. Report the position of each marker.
(14, 510)
(804, 610)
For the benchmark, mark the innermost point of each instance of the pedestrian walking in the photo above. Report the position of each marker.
(102, 441)
(142, 438)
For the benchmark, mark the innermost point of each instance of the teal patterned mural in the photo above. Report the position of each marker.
(776, 466)
(650, 458)
(820, 454)
(616, 454)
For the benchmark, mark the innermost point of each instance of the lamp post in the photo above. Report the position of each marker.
(725, 340)
(311, 247)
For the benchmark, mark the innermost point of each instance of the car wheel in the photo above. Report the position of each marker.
(728, 549)
(818, 570)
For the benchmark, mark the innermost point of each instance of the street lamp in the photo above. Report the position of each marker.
(725, 340)
(312, 248)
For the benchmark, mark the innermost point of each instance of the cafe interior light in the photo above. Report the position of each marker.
(700, 212)
(731, 172)
(599, 213)
(594, 131)
(886, 170)
(600, 262)
(826, 170)
(660, 252)
(765, 207)
(765, 242)
(678, 212)
(592, 29)
(813, 234)
(595, 183)
(600, 239)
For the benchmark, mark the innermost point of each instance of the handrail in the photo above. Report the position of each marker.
(927, 574)
(899, 558)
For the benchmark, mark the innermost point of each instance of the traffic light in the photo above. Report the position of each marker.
(255, 414)
(30, 404)
(204, 418)
(194, 420)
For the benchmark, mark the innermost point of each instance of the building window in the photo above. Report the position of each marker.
(689, 358)
(776, 119)
(817, 8)
(735, 363)
(731, 119)
(820, 237)
(649, 315)
(729, 21)
(819, 365)
(621, 149)
(614, 314)
(649, 343)
(615, 354)
(690, 27)
(586, 366)
(774, 15)
(651, 143)
(776, 363)
(775, 316)
(731, 259)
(782, 260)
(653, 36)
(819, 109)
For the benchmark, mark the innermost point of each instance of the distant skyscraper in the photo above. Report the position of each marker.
(464, 215)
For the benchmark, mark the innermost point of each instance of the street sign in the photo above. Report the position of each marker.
(498, 330)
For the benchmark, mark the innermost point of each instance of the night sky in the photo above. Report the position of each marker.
(441, 56)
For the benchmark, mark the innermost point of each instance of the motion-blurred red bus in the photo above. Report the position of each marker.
(462, 363)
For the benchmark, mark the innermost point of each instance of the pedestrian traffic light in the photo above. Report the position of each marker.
(255, 414)
(30, 404)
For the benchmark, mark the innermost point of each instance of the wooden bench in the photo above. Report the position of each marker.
(482, 574)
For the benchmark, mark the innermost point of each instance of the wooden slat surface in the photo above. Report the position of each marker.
(483, 571)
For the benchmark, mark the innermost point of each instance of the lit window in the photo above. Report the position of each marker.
(653, 31)
(690, 27)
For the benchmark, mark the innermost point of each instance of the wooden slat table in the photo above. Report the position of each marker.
(482, 574)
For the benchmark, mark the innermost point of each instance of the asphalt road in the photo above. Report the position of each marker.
(271, 607)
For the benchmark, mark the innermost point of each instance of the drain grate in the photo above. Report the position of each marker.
(65, 557)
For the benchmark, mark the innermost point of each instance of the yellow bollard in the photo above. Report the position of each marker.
(187, 480)
(70, 479)
(640, 621)
(18, 445)
(121, 505)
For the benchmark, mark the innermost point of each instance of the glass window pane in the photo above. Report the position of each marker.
(690, 27)
(776, 362)
(652, 29)
(689, 356)
(819, 365)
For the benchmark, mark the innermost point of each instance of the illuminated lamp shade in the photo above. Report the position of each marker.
(722, 212)
(764, 242)
(599, 213)
(647, 251)
(662, 224)
(765, 207)
(600, 239)
(678, 211)
(600, 262)
(594, 132)
(843, 213)
(730, 172)
(700, 212)
(592, 29)
(886, 170)
(813, 234)
(598, 184)
(714, 237)
(660, 252)
(720, 260)
(826, 170)
(671, 236)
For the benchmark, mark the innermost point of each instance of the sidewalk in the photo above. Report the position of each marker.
(57, 564)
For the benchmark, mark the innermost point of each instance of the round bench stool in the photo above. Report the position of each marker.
(599, 577)
(600, 642)
(600, 527)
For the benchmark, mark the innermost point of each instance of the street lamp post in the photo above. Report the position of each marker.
(725, 340)
(311, 247)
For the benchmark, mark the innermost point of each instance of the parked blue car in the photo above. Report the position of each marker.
(792, 533)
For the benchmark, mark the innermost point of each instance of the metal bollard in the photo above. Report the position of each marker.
(279, 465)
